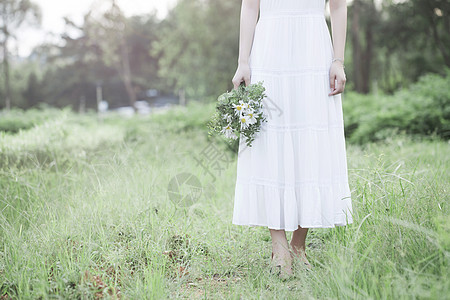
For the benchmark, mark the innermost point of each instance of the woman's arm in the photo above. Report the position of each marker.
(249, 16)
(338, 16)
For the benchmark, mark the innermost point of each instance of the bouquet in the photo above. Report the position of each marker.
(239, 112)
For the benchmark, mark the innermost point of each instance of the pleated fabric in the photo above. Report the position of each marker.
(295, 172)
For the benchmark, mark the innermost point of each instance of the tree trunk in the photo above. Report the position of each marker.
(367, 57)
(181, 97)
(440, 45)
(126, 75)
(356, 46)
(6, 68)
(362, 54)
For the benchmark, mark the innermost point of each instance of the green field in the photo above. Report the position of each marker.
(85, 214)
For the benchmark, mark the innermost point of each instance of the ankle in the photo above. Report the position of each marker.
(299, 251)
(298, 247)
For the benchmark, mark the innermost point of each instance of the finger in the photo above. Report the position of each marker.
(247, 81)
(235, 85)
(332, 87)
(335, 92)
(340, 86)
(332, 81)
(337, 89)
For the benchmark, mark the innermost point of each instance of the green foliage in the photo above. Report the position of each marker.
(18, 119)
(20, 74)
(14, 14)
(381, 53)
(94, 53)
(195, 116)
(56, 139)
(197, 49)
(422, 109)
(239, 113)
(33, 92)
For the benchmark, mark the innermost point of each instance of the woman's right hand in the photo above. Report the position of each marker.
(242, 74)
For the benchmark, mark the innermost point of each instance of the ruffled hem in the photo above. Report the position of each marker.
(288, 229)
(307, 205)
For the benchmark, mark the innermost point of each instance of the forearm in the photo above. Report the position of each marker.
(249, 16)
(338, 16)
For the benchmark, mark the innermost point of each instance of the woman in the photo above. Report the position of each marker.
(294, 177)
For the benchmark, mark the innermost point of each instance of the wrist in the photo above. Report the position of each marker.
(339, 60)
(243, 61)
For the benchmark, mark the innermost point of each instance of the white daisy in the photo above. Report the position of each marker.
(244, 120)
(229, 132)
(244, 104)
(238, 109)
(252, 117)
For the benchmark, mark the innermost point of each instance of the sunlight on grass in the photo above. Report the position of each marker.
(85, 213)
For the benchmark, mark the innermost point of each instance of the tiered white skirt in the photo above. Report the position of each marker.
(295, 173)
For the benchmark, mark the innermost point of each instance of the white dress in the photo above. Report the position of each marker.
(295, 172)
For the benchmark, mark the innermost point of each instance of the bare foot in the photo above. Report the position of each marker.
(301, 255)
(282, 265)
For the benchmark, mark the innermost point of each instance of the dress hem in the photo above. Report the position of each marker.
(290, 229)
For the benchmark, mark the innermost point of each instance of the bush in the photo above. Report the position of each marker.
(195, 116)
(17, 119)
(58, 143)
(422, 109)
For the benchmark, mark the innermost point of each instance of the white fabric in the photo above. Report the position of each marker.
(295, 173)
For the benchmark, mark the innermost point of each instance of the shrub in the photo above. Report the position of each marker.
(422, 109)
(17, 119)
(58, 143)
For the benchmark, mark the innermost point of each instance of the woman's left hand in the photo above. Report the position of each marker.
(337, 74)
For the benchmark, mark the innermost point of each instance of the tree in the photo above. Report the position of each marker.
(364, 17)
(198, 47)
(14, 13)
(142, 31)
(91, 55)
(110, 36)
(413, 39)
(33, 91)
(437, 14)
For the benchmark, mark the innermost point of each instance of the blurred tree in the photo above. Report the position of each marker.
(14, 13)
(392, 43)
(91, 55)
(437, 15)
(224, 42)
(142, 31)
(33, 91)
(74, 68)
(364, 18)
(113, 44)
(415, 35)
(197, 47)
(178, 47)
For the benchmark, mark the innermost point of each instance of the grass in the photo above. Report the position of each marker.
(85, 213)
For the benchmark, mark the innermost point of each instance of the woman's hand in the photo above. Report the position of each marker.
(337, 74)
(242, 74)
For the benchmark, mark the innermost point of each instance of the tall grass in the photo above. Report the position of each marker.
(85, 213)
